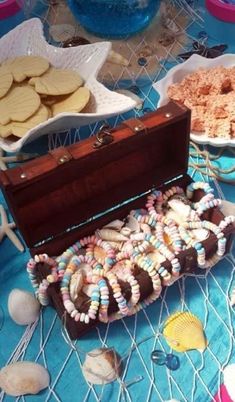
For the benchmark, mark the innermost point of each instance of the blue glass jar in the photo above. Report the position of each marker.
(114, 18)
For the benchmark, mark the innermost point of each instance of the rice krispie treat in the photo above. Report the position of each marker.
(210, 94)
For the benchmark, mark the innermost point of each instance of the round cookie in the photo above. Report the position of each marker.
(23, 67)
(19, 129)
(6, 80)
(74, 103)
(57, 82)
(19, 104)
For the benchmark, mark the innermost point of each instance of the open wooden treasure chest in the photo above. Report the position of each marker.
(113, 219)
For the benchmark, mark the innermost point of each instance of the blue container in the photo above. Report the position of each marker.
(114, 18)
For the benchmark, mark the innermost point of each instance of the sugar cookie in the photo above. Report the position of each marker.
(19, 129)
(6, 80)
(57, 82)
(73, 103)
(19, 104)
(26, 67)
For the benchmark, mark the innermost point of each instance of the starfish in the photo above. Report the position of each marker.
(11, 159)
(6, 228)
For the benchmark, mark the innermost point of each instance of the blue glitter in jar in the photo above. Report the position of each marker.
(114, 18)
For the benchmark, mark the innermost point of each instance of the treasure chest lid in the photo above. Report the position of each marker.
(54, 193)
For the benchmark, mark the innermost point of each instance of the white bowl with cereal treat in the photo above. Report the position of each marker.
(207, 87)
(46, 89)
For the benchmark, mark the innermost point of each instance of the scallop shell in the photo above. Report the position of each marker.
(110, 235)
(116, 225)
(76, 284)
(101, 366)
(232, 298)
(133, 224)
(100, 254)
(229, 376)
(19, 104)
(183, 331)
(23, 307)
(23, 378)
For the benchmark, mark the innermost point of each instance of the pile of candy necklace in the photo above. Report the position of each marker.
(96, 264)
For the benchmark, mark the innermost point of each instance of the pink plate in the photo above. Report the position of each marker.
(220, 10)
(8, 8)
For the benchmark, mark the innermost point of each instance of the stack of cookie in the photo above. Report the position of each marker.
(32, 91)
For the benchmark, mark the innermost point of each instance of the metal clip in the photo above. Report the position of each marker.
(103, 137)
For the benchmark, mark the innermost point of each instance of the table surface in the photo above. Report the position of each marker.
(199, 375)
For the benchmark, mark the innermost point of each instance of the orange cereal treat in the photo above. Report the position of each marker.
(210, 94)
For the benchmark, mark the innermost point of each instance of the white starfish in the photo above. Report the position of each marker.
(6, 229)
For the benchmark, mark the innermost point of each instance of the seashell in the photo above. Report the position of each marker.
(62, 32)
(183, 331)
(137, 236)
(200, 234)
(130, 94)
(123, 269)
(232, 298)
(174, 216)
(157, 257)
(23, 378)
(116, 225)
(99, 254)
(145, 228)
(229, 375)
(23, 307)
(179, 207)
(86, 270)
(76, 284)
(127, 248)
(88, 289)
(126, 231)
(117, 58)
(110, 235)
(133, 224)
(101, 366)
(116, 245)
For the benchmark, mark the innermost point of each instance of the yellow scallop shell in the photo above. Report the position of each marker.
(184, 331)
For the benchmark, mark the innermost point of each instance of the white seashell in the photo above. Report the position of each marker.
(137, 236)
(110, 235)
(23, 378)
(145, 228)
(136, 98)
(200, 234)
(62, 32)
(179, 207)
(23, 307)
(117, 58)
(227, 207)
(88, 289)
(101, 366)
(126, 231)
(133, 224)
(117, 225)
(232, 298)
(127, 248)
(76, 284)
(229, 375)
(174, 216)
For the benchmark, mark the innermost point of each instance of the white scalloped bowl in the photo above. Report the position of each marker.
(177, 74)
(28, 39)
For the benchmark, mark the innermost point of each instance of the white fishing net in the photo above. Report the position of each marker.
(134, 338)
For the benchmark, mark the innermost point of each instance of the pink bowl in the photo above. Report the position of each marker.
(8, 8)
(220, 10)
